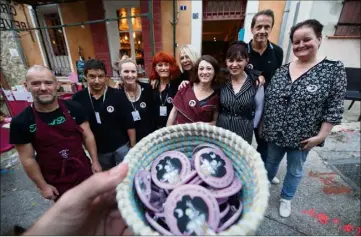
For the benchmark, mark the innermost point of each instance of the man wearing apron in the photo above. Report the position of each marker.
(55, 130)
(109, 115)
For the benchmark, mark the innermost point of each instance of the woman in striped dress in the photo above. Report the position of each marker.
(241, 99)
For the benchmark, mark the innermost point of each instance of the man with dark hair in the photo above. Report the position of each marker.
(109, 115)
(266, 57)
(56, 130)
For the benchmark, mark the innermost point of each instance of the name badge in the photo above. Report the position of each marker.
(97, 117)
(163, 110)
(136, 115)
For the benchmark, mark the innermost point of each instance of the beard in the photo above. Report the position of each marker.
(46, 101)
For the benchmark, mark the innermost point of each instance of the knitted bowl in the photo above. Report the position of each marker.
(247, 164)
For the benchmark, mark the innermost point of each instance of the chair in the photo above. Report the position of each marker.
(353, 91)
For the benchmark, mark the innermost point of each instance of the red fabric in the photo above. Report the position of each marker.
(60, 153)
(4, 141)
(17, 106)
(191, 114)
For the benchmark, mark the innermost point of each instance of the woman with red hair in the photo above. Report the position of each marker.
(165, 72)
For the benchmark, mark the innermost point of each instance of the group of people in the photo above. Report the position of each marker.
(289, 108)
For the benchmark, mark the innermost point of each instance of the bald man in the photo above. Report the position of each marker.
(55, 130)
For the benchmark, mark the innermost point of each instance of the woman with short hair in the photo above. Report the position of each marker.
(303, 102)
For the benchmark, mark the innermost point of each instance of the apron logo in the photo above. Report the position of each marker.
(192, 103)
(64, 153)
(110, 109)
(311, 88)
(250, 66)
(169, 100)
(143, 105)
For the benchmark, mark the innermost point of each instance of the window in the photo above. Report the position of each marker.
(349, 23)
(130, 34)
(56, 36)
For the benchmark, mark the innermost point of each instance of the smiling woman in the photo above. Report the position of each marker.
(165, 72)
(140, 98)
(303, 102)
(198, 101)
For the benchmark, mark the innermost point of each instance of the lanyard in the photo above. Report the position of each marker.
(91, 100)
(166, 96)
(135, 109)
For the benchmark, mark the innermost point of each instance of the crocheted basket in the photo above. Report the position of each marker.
(246, 162)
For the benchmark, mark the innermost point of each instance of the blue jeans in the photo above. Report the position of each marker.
(295, 161)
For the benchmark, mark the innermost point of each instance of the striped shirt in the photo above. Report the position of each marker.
(240, 112)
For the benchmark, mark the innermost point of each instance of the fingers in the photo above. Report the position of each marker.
(305, 141)
(101, 183)
(55, 191)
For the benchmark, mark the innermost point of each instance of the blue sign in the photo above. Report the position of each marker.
(195, 15)
(241, 34)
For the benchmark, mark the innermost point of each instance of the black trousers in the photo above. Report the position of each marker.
(261, 146)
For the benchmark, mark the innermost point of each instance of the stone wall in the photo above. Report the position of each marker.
(12, 65)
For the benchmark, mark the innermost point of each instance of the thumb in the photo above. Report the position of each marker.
(305, 141)
(101, 182)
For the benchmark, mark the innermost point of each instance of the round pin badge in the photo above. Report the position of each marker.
(192, 103)
(191, 210)
(170, 100)
(142, 181)
(249, 66)
(202, 146)
(232, 189)
(225, 211)
(311, 88)
(157, 223)
(232, 216)
(143, 105)
(170, 169)
(110, 109)
(214, 167)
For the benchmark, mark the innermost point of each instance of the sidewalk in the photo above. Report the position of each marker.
(325, 203)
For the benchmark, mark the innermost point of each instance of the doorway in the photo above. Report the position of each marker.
(222, 20)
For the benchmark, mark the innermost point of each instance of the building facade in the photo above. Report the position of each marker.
(208, 25)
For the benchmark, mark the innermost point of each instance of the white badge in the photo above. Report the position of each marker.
(110, 109)
(136, 115)
(163, 110)
(97, 117)
(192, 103)
(169, 100)
(311, 88)
(143, 105)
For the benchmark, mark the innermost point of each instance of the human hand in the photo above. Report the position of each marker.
(49, 192)
(87, 209)
(183, 84)
(260, 80)
(312, 142)
(154, 84)
(120, 84)
(96, 167)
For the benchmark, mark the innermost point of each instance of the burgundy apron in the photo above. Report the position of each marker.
(189, 108)
(60, 153)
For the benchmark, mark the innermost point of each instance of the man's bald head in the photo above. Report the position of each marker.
(33, 71)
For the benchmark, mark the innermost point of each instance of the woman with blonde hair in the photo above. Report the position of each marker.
(187, 58)
(140, 97)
